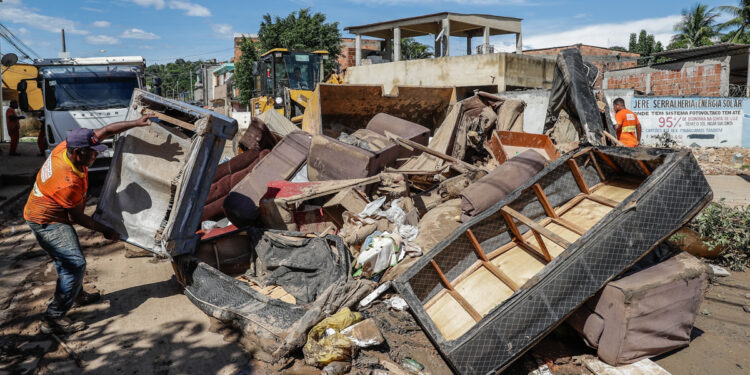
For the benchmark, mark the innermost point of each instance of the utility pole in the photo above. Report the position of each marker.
(63, 40)
(191, 92)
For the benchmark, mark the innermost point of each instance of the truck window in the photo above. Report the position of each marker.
(83, 89)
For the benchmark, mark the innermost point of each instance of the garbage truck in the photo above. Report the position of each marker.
(86, 93)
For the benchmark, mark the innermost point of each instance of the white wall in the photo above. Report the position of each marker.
(536, 108)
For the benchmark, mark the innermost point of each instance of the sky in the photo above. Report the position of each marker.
(164, 30)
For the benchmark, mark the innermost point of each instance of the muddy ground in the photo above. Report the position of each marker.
(145, 325)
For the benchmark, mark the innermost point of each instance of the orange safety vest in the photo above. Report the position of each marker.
(626, 133)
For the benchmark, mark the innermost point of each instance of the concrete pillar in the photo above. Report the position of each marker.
(486, 41)
(747, 81)
(437, 47)
(446, 37)
(468, 44)
(396, 44)
(357, 50)
(519, 43)
(389, 48)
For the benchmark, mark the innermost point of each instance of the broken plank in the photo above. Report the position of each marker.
(172, 120)
(403, 142)
(533, 225)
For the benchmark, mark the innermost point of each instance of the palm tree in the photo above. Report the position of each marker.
(697, 27)
(740, 23)
(413, 50)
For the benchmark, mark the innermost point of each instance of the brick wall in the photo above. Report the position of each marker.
(603, 58)
(348, 51)
(701, 80)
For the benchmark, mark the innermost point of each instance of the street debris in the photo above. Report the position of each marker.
(490, 236)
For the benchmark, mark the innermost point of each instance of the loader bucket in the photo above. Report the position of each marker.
(336, 108)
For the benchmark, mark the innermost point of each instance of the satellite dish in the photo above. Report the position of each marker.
(9, 59)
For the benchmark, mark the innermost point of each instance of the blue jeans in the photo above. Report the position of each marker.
(60, 241)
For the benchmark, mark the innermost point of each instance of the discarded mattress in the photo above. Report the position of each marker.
(501, 281)
(241, 205)
(645, 314)
(160, 175)
(296, 282)
(571, 92)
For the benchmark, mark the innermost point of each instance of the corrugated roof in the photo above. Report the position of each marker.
(686, 53)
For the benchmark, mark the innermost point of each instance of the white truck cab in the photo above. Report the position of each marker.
(87, 93)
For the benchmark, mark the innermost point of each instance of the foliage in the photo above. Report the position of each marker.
(413, 50)
(665, 140)
(175, 77)
(243, 70)
(738, 25)
(302, 30)
(619, 48)
(644, 44)
(729, 227)
(697, 28)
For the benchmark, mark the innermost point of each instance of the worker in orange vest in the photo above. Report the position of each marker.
(628, 126)
(14, 127)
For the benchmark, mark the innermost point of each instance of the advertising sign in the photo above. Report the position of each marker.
(706, 122)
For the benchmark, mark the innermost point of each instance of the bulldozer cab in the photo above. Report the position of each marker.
(280, 72)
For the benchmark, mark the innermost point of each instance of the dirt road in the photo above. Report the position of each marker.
(143, 325)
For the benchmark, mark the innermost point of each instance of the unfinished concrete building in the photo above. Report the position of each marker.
(441, 26)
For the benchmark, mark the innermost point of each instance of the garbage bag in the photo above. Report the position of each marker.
(326, 343)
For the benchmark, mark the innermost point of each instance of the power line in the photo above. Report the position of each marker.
(197, 54)
(11, 38)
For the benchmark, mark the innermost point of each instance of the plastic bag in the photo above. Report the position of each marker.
(379, 251)
(321, 349)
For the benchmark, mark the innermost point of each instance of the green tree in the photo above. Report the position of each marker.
(413, 50)
(644, 43)
(738, 25)
(243, 70)
(697, 28)
(175, 77)
(302, 30)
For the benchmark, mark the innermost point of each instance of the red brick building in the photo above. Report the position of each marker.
(238, 40)
(348, 51)
(718, 70)
(603, 58)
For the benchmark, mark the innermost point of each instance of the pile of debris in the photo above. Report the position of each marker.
(490, 237)
(723, 160)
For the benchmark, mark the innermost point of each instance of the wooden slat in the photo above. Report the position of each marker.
(568, 225)
(581, 152)
(459, 298)
(512, 225)
(603, 200)
(532, 250)
(172, 120)
(533, 225)
(486, 262)
(542, 246)
(501, 275)
(644, 167)
(608, 161)
(596, 165)
(578, 176)
(543, 200)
